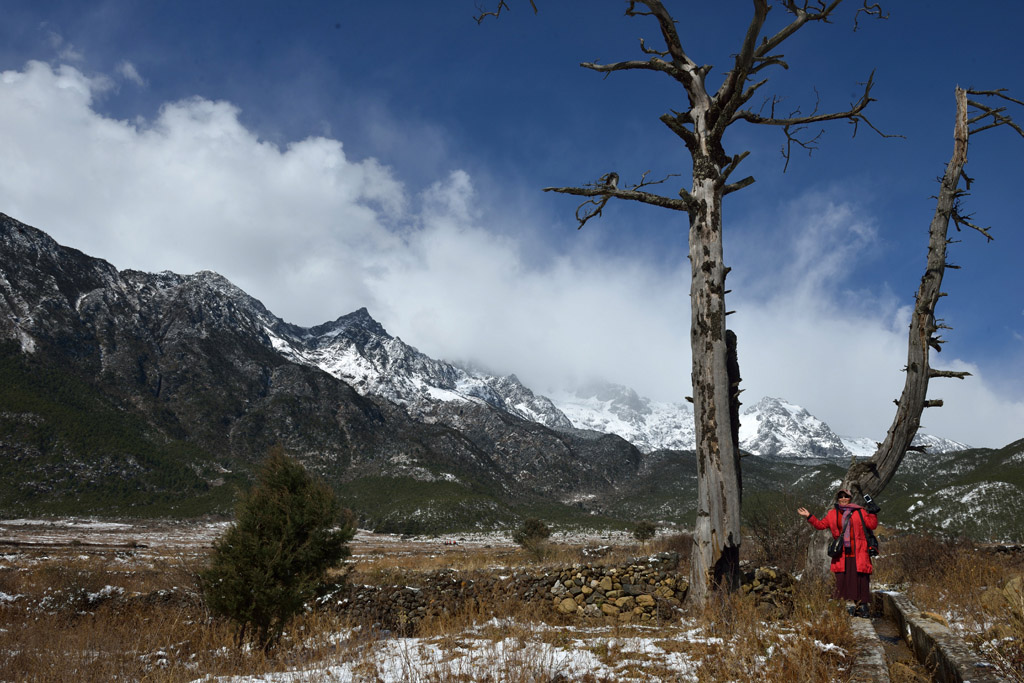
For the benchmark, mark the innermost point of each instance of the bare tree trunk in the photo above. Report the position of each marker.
(873, 475)
(701, 127)
(715, 555)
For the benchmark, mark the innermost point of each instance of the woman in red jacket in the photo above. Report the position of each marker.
(852, 569)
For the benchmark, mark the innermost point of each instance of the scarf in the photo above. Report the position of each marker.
(847, 510)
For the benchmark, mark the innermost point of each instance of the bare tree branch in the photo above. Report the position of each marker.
(650, 51)
(854, 113)
(872, 10)
(739, 185)
(801, 16)
(796, 123)
(997, 116)
(668, 29)
(606, 188)
(998, 92)
(947, 373)
(496, 12)
(652, 64)
(744, 62)
(962, 220)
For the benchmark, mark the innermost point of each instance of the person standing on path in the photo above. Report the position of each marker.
(852, 569)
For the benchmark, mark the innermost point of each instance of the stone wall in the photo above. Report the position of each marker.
(639, 591)
(642, 591)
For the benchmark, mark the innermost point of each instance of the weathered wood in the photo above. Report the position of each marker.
(701, 127)
(871, 476)
(715, 555)
(913, 400)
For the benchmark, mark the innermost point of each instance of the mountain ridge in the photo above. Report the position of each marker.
(191, 358)
(153, 394)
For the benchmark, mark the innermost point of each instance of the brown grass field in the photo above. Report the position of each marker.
(106, 602)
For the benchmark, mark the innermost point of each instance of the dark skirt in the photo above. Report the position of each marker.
(852, 584)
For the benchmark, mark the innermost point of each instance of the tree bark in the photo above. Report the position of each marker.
(873, 475)
(701, 127)
(714, 561)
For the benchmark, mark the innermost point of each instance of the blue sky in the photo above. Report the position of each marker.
(326, 156)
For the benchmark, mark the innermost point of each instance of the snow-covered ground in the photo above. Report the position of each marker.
(497, 650)
(501, 650)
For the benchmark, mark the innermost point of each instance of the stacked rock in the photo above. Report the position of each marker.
(641, 591)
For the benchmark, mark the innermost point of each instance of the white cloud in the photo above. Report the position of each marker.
(194, 190)
(66, 52)
(315, 234)
(130, 73)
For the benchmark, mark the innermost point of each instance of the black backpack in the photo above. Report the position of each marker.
(870, 536)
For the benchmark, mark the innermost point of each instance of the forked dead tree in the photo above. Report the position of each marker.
(702, 127)
(975, 112)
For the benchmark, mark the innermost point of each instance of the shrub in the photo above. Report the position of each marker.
(644, 531)
(532, 536)
(779, 535)
(275, 556)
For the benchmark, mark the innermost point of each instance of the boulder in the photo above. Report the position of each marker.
(645, 600)
(567, 606)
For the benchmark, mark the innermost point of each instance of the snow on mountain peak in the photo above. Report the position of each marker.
(357, 349)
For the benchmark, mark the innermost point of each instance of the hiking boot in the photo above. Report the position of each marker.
(862, 611)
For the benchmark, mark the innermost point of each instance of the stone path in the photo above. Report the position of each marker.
(899, 625)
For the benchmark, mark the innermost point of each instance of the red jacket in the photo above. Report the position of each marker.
(834, 522)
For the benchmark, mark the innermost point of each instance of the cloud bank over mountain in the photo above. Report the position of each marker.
(465, 275)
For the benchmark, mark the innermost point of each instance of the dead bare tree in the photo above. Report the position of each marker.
(974, 113)
(701, 127)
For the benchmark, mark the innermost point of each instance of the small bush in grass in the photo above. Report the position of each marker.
(275, 556)
(680, 543)
(644, 531)
(779, 537)
(533, 536)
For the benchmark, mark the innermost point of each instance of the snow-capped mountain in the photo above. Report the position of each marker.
(357, 349)
(772, 427)
(775, 427)
(615, 409)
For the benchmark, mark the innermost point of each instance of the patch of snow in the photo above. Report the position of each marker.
(446, 395)
(860, 446)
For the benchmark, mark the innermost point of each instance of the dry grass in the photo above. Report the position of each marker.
(108, 614)
(962, 582)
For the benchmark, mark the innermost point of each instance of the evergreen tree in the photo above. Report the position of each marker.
(532, 536)
(644, 531)
(287, 533)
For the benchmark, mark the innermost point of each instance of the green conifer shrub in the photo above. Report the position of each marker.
(532, 536)
(644, 531)
(289, 530)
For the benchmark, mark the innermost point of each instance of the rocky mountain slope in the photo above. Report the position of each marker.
(152, 394)
(358, 350)
(187, 364)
